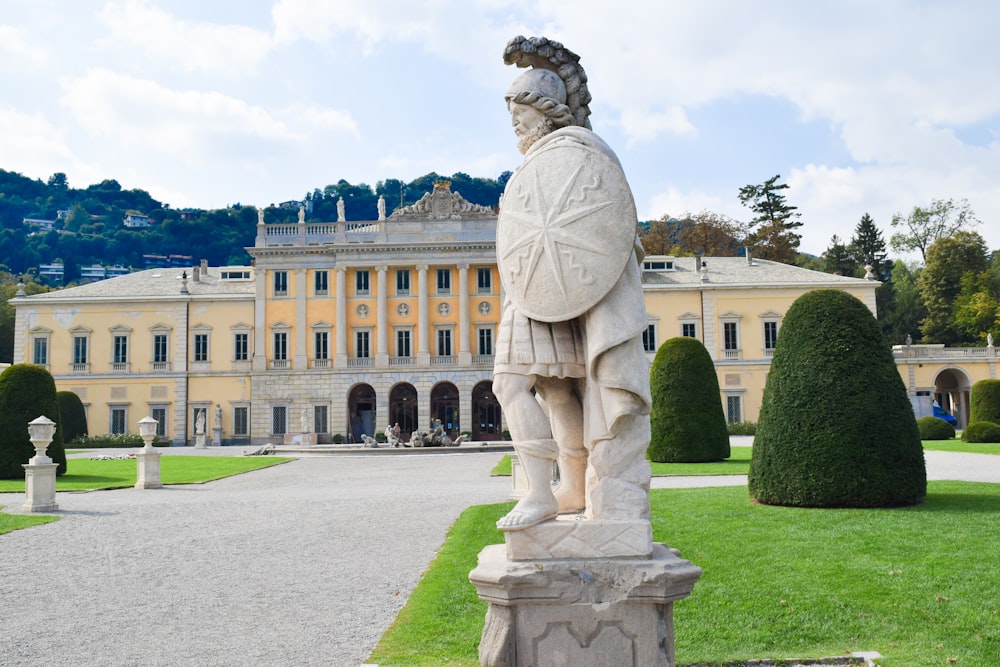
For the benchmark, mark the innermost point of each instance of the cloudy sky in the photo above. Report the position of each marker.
(860, 106)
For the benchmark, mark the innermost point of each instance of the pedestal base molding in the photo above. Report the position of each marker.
(584, 612)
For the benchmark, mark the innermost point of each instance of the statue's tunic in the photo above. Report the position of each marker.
(603, 345)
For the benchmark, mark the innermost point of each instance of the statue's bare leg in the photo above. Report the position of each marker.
(566, 420)
(536, 449)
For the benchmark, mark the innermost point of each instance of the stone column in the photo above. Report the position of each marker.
(381, 319)
(464, 353)
(259, 313)
(340, 357)
(301, 326)
(423, 348)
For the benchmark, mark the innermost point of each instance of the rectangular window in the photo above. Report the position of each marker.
(278, 419)
(486, 341)
(201, 347)
(160, 349)
(734, 409)
(444, 281)
(770, 335)
(241, 347)
(119, 417)
(649, 338)
(731, 340)
(241, 420)
(484, 280)
(160, 415)
(280, 346)
(362, 286)
(444, 342)
(322, 283)
(403, 343)
(361, 344)
(79, 349)
(689, 329)
(321, 340)
(320, 422)
(402, 281)
(121, 350)
(41, 351)
(281, 283)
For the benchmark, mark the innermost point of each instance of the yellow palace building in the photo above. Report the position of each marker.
(342, 328)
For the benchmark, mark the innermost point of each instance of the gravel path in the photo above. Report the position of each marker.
(305, 563)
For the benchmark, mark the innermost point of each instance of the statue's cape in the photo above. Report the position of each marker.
(566, 228)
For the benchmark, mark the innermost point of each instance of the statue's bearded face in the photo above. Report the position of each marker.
(530, 125)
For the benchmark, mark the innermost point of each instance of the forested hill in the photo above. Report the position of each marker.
(88, 223)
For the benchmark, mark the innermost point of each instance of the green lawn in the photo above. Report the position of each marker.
(919, 585)
(85, 474)
(11, 522)
(737, 464)
(957, 445)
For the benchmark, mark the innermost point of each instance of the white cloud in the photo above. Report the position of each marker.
(330, 119)
(676, 203)
(16, 48)
(32, 145)
(135, 26)
(147, 116)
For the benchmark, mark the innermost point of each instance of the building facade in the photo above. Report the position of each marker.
(342, 328)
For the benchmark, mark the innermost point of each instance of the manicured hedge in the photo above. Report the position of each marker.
(687, 423)
(935, 428)
(27, 392)
(981, 432)
(984, 402)
(836, 428)
(74, 416)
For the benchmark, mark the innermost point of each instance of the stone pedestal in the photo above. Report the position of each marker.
(40, 487)
(217, 437)
(301, 439)
(199, 441)
(148, 470)
(584, 612)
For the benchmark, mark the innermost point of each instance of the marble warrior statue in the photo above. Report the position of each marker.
(570, 371)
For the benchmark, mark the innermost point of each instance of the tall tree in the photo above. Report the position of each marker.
(923, 226)
(949, 259)
(710, 234)
(838, 260)
(868, 246)
(900, 306)
(660, 237)
(774, 220)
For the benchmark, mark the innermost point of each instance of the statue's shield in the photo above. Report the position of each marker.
(565, 232)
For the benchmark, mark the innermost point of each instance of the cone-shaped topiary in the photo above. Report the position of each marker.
(687, 423)
(984, 402)
(74, 416)
(836, 428)
(26, 392)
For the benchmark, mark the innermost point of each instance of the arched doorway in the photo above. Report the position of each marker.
(403, 409)
(485, 413)
(444, 406)
(951, 391)
(361, 412)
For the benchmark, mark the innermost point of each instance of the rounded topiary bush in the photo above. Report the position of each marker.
(935, 428)
(984, 402)
(687, 423)
(27, 392)
(981, 432)
(836, 428)
(74, 416)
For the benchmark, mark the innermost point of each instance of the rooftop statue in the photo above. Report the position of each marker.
(442, 204)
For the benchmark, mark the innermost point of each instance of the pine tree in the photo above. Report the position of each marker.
(869, 246)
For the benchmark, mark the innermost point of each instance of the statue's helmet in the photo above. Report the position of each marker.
(537, 80)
